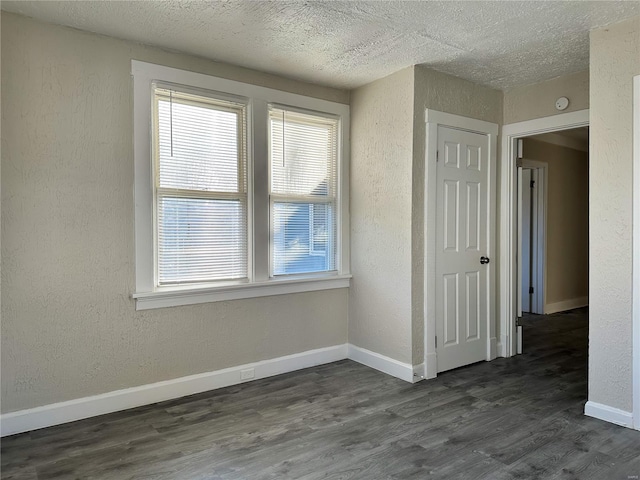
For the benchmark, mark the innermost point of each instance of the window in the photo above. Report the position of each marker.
(201, 188)
(240, 190)
(303, 157)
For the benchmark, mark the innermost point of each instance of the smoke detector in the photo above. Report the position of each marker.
(562, 103)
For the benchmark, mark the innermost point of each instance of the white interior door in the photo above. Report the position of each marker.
(520, 171)
(537, 239)
(525, 239)
(462, 246)
(519, 261)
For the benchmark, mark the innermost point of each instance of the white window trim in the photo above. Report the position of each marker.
(312, 234)
(147, 294)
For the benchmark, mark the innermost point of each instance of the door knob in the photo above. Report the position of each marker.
(484, 260)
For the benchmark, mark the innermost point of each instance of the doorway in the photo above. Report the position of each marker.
(509, 331)
(459, 235)
(553, 226)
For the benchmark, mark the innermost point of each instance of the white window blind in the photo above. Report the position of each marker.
(200, 187)
(303, 156)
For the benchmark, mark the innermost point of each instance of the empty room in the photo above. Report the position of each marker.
(320, 240)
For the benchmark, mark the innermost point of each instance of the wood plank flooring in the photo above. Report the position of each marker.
(518, 418)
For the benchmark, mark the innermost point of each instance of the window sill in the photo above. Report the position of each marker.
(173, 297)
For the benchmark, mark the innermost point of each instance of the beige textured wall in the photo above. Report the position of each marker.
(567, 245)
(449, 94)
(615, 59)
(381, 163)
(69, 328)
(538, 100)
(387, 202)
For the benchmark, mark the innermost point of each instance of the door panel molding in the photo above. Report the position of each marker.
(508, 221)
(435, 119)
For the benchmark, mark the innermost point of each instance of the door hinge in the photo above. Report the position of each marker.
(436, 342)
(533, 183)
(437, 155)
(519, 148)
(519, 322)
(530, 289)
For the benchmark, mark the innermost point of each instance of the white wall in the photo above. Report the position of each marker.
(538, 100)
(69, 326)
(381, 164)
(615, 59)
(386, 312)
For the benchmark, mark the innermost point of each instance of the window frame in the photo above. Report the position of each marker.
(241, 194)
(147, 293)
(331, 200)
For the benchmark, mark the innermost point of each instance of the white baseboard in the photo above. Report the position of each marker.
(69, 411)
(403, 371)
(566, 305)
(77, 409)
(608, 414)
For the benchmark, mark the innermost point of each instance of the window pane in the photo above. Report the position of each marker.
(201, 240)
(303, 165)
(199, 146)
(303, 153)
(319, 225)
(303, 238)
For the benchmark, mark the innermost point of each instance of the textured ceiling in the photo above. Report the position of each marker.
(347, 44)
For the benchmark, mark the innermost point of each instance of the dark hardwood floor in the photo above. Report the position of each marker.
(518, 418)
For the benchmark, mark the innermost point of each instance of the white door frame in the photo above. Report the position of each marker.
(433, 119)
(508, 221)
(635, 289)
(540, 243)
